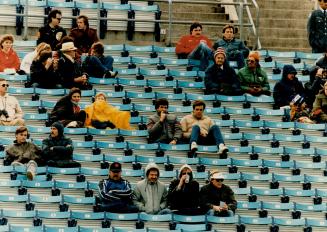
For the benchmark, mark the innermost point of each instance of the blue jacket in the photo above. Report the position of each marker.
(111, 190)
(285, 90)
(232, 48)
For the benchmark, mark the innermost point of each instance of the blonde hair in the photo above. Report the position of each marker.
(100, 94)
(41, 48)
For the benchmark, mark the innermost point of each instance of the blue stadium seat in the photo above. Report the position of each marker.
(87, 215)
(277, 205)
(310, 207)
(299, 192)
(25, 228)
(156, 218)
(255, 220)
(289, 222)
(45, 198)
(13, 198)
(266, 191)
(53, 214)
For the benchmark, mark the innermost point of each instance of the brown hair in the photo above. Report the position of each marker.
(85, 19)
(198, 103)
(98, 48)
(228, 26)
(6, 37)
(21, 129)
(42, 47)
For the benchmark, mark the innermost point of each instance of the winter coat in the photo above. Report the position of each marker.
(317, 31)
(320, 104)
(222, 80)
(83, 39)
(248, 78)
(210, 195)
(23, 152)
(115, 191)
(51, 36)
(46, 78)
(148, 197)
(232, 48)
(285, 90)
(185, 198)
(164, 131)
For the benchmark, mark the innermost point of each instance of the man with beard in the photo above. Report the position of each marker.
(116, 193)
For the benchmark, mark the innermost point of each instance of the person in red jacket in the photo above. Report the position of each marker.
(8, 57)
(195, 46)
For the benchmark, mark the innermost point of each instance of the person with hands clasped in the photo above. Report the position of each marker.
(162, 126)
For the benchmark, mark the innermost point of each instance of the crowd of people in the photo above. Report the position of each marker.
(57, 62)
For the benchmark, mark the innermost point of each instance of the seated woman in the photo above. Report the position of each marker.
(288, 87)
(102, 115)
(98, 65)
(67, 110)
(319, 110)
(8, 57)
(43, 72)
(29, 57)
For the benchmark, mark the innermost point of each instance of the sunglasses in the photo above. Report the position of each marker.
(5, 85)
(59, 19)
(219, 180)
(253, 61)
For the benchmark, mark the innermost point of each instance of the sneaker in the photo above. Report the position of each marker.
(222, 149)
(194, 147)
(110, 74)
(31, 167)
(16, 163)
(72, 124)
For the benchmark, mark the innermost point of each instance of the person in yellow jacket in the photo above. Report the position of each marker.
(102, 115)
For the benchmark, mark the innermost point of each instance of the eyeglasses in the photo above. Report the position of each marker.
(5, 85)
(58, 19)
(219, 180)
(253, 61)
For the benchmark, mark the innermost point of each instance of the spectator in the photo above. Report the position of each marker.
(300, 112)
(58, 149)
(150, 195)
(195, 46)
(44, 72)
(29, 57)
(288, 87)
(98, 65)
(83, 35)
(317, 28)
(319, 110)
(253, 78)
(200, 129)
(163, 127)
(69, 70)
(313, 87)
(183, 194)
(216, 198)
(9, 60)
(67, 110)
(101, 115)
(116, 193)
(220, 78)
(10, 112)
(235, 48)
(52, 33)
(22, 152)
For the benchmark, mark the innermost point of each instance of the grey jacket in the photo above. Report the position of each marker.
(164, 131)
(148, 197)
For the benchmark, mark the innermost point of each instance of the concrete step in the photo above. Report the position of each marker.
(286, 4)
(286, 49)
(282, 23)
(283, 32)
(289, 43)
(195, 16)
(189, 7)
(284, 13)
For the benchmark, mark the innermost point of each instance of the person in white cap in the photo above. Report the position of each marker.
(216, 198)
(70, 71)
(220, 78)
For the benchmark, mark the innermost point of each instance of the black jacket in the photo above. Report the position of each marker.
(51, 36)
(47, 79)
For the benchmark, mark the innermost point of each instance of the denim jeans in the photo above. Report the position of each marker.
(239, 58)
(214, 136)
(98, 67)
(203, 53)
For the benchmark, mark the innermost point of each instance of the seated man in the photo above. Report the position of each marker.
(195, 46)
(253, 78)
(220, 78)
(235, 48)
(150, 195)
(183, 193)
(10, 112)
(116, 193)
(216, 198)
(97, 64)
(163, 127)
(200, 129)
(57, 149)
(22, 152)
(70, 71)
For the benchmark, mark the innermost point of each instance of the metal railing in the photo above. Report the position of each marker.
(240, 5)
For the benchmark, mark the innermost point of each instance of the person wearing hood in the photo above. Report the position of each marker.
(216, 198)
(183, 193)
(58, 149)
(23, 152)
(67, 110)
(163, 127)
(150, 195)
(116, 193)
(288, 87)
(220, 78)
(235, 48)
(253, 78)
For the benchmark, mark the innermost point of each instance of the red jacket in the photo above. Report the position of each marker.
(9, 60)
(187, 43)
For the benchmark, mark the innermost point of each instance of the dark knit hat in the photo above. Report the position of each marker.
(59, 127)
(219, 50)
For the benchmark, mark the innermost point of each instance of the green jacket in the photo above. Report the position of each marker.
(320, 103)
(248, 78)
